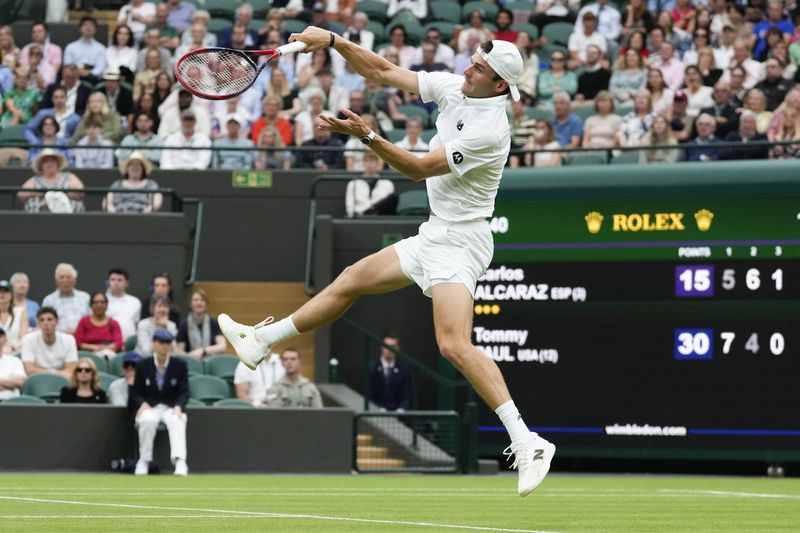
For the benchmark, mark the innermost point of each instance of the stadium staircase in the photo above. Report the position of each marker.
(372, 457)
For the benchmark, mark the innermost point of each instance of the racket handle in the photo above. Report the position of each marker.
(291, 48)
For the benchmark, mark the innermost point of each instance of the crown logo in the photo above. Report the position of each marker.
(594, 221)
(704, 218)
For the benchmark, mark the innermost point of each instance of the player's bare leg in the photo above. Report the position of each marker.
(375, 274)
(452, 316)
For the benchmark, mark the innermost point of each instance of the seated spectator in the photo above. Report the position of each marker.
(20, 102)
(279, 86)
(476, 32)
(594, 77)
(355, 149)
(233, 159)
(168, 34)
(272, 154)
(97, 110)
(548, 11)
(173, 157)
(159, 320)
(724, 113)
(418, 8)
(756, 102)
(706, 64)
(673, 34)
(660, 134)
(568, 126)
(20, 285)
(137, 15)
(399, 40)
(700, 39)
(698, 94)
(671, 67)
(682, 123)
(271, 117)
(442, 52)
(582, 38)
(742, 58)
(639, 121)
(143, 140)
(358, 27)
(94, 157)
(636, 41)
(119, 98)
(47, 134)
(119, 390)
(97, 332)
(701, 147)
(336, 97)
(88, 54)
(126, 195)
(161, 283)
(48, 168)
(390, 378)
(528, 78)
(160, 393)
(121, 54)
(543, 138)
(326, 159)
(71, 303)
(308, 65)
(382, 102)
(747, 133)
(683, 15)
(661, 95)
(774, 86)
(503, 21)
(427, 62)
(609, 21)
(199, 334)
(65, 121)
(292, 389)
(412, 141)
(775, 19)
(222, 109)
(252, 385)
(521, 130)
(47, 351)
(13, 319)
(602, 129)
(198, 37)
(40, 73)
(146, 104)
(12, 372)
(368, 191)
(172, 120)
(628, 76)
(77, 94)
(145, 80)
(788, 129)
(84, 385)
(51, 52)
(556, 79)
(125, 308)
(203, 17)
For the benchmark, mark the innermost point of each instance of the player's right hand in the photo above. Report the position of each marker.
(316, 38)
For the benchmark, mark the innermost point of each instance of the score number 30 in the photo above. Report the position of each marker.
(697, 343)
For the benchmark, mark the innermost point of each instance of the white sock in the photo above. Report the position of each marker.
(512, 420)
(277, 332)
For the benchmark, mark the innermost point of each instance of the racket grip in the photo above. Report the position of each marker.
(291, 48)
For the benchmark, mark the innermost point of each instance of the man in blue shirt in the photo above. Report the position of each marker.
(774, 20)
(568, 127)
(86, 52)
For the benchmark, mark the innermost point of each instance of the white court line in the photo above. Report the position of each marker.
(126, 517)
(277, 515)
(732, 494)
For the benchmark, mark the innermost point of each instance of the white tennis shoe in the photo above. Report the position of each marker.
(181, 468)
(243, 339)
(142, 468)
(532, 458)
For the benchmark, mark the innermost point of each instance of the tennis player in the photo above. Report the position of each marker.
(454, 247)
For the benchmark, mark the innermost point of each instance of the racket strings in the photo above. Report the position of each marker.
(217, 72)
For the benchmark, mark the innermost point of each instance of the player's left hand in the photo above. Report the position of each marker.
(353, 125)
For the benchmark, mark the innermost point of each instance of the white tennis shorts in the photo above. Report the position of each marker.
(447, 252)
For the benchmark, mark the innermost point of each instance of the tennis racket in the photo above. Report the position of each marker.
(222, 73)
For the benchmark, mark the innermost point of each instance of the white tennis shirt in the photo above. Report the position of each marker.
(477, 139)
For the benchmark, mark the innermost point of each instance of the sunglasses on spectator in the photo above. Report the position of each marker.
(128, 365)
(83, 369)
(557, 58)
(98, 302)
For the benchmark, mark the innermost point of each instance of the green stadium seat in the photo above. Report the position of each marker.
(24, 399)
(234, 403)
(558, 33)
(106, 379)
(428, 134)
(514, 7)
(584, 112)
(530, 29)
(115, 366)
(256, 24)
(434, 116)
(446, 10)
(336, 27)
(12, 136)
(379, 31)
(294, 26)
(100, 362)
(208, 389)
(260, 8)
(537, 113)
(375, 10)
(225, 9)
(585, 159)
(411, 110)
(130, 343)
(217, 24)
(44, 386)
(628, 157)
(194, 403)
(195, 366)
(222, 366)
(396, 135)
(544, 52)
(412, 203)
(445, 28)
(414, 32)
(488, 11)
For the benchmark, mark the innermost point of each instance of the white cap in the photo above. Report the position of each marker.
(234, 117)
(506, 61)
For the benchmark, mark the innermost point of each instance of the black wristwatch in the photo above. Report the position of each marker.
(368, 138)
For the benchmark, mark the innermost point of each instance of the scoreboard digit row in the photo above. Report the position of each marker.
(693, 281)
(699, 344)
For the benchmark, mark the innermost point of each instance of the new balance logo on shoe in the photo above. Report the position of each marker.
(538, 454)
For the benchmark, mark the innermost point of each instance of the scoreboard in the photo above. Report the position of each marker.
(645, 318)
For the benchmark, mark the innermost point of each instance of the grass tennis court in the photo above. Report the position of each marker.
(575, 503)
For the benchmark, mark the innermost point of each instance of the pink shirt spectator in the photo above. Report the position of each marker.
(52, 55)
(673, 73)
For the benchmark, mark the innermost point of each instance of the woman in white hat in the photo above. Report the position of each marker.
(135, 178)
(49, 167)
